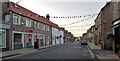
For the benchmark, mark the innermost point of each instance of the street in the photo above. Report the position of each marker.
(67, 51)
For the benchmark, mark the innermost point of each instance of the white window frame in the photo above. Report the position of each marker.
(27, 22)
(15, 15)
(3, 46)
(43, 26)
(36, 25)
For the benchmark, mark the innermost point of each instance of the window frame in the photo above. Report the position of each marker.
(36, 25)
(48, 28)
(27, 22)
(16, 16)
(43, 26)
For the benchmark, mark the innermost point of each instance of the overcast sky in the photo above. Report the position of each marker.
(66, 8)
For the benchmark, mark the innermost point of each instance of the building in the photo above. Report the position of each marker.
(26, 27)
(116, 27)
(91, 34)
(4, 26)
(57, 35)
(102, 28)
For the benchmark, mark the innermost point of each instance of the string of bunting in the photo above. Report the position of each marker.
(79, 26)
(78, 21)
(78, 29)
(72, 16)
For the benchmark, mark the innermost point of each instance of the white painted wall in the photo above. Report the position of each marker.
(56, 32)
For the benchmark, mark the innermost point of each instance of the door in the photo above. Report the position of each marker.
(29, 41)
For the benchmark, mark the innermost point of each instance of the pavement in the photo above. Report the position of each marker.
(70, 51)
(25, 51)
(102, 54)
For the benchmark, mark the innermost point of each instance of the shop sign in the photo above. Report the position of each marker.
(116, 22)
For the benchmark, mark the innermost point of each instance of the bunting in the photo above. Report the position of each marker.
(63, 17)
(78, 21)
(79, 25)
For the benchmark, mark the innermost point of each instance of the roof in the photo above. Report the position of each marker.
(25, 12)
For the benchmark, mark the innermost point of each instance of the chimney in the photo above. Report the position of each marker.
(47, 16)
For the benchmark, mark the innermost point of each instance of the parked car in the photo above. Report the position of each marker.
(84, 42)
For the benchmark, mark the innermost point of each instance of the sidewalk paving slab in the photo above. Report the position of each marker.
(103, 54)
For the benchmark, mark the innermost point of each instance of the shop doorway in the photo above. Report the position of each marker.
(117, 39)
(29, 41)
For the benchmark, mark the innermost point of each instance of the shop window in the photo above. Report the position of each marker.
(16, 19)
(28, 22)
(47, 40)
(42, 40)
(2, 39)
(17, 38)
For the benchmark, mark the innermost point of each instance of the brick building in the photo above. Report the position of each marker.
(104, 18)
(24, 27)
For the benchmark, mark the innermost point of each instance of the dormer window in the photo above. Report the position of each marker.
(15, 6)
(37, 16)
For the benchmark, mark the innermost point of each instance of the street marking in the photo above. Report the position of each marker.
(91, 53)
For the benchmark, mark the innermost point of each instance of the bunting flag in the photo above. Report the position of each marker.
(78, 21)
(72, 16)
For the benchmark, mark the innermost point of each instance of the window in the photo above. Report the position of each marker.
(36, 25)
(2, 39)
(43, 26)
(28, 22)
(16, 19)
(48, 27)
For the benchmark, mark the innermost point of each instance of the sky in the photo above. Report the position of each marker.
(66, 8)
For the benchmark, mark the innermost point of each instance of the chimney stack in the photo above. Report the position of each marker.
(47, 16)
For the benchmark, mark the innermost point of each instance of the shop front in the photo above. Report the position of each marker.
(116, 33)
(18, 41)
